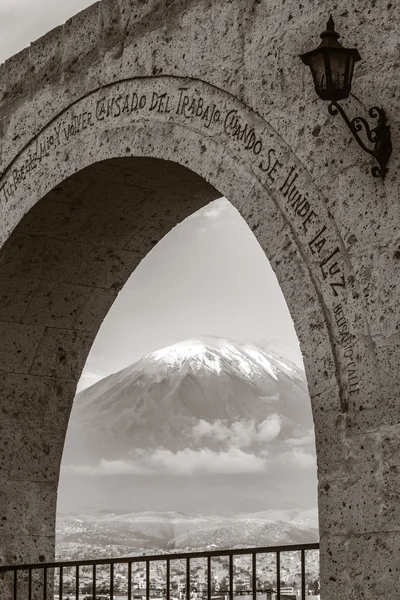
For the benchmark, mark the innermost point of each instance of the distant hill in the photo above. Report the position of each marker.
(168, 530)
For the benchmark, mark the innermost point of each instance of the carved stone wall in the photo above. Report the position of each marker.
(127, 119)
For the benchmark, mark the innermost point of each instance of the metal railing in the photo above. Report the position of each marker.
(220, 574)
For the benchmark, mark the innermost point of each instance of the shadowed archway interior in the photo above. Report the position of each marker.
(61, 269)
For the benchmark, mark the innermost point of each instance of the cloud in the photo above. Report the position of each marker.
(213, 211)
(217, 214)
(306, 440)
(191, 462)
(298, 458)
(240, 434)
(183, 462)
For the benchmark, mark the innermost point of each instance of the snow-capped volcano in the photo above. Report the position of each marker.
(228, 425)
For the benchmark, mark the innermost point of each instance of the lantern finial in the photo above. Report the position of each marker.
(330, 26)
(330, 36)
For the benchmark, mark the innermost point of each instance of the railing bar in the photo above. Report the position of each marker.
(112, 582)
(168, 579)
(61, 584)
(77, 582)
(231, 577)
(94, 583)
(15, 585)
(44, 583)
(30, 585)
(161, 557)
(278, 576)
(208, 577)
(188, 579)
(254, 574)
(303, 575)
(148, 579)
(129, 581)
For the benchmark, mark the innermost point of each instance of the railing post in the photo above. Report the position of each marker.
(77, 582)
(112, 581)
(60, 587)
(30, 585)
(188, 579)
(303, 575)
(254, 574)
(231, 577)
(208, 577)
(278, 575)
(15, 585)
(147, 579)
(168, 578)
(94, 584)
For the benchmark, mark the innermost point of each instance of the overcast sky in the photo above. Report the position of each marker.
(207, 277)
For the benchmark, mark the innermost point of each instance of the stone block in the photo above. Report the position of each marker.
(57, 305)
(19, 346)
(352, 503)
(36, 455)
(317, 354)
(288, 264)
(373, 568)
(97, 306)
(350, 506)
(27, 508)
(26, 549)
(81, 36)
(23, 399)
(15, 296)
(329, 429)
(59, 397)
(334, 578)
(265, 221)
(45, 56)
(326, 402)
(112, 34)
(388, 353)
(104, 267)
(15, 78)
(66, 221)
(7, 434)
(365, 199)
(34, 401)
(62, 353)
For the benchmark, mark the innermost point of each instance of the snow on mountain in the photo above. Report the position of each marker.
(204, 426)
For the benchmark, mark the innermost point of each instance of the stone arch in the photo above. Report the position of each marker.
(67, 248)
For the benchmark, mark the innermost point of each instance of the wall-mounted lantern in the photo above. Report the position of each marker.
(332, 68)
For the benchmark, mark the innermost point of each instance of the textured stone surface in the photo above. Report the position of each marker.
(131, 116)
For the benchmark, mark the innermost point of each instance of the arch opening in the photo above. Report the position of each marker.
(227, 423)
(63, 267)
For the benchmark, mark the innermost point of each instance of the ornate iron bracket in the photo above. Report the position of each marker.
(379, 136)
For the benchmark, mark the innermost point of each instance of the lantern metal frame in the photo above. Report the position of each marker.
(378, 136)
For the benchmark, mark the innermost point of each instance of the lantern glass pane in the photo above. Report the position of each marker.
(350, 73)
(317, 66)
(338, 63)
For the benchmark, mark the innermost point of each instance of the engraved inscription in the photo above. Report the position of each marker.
(217, 115)
(347, 340)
